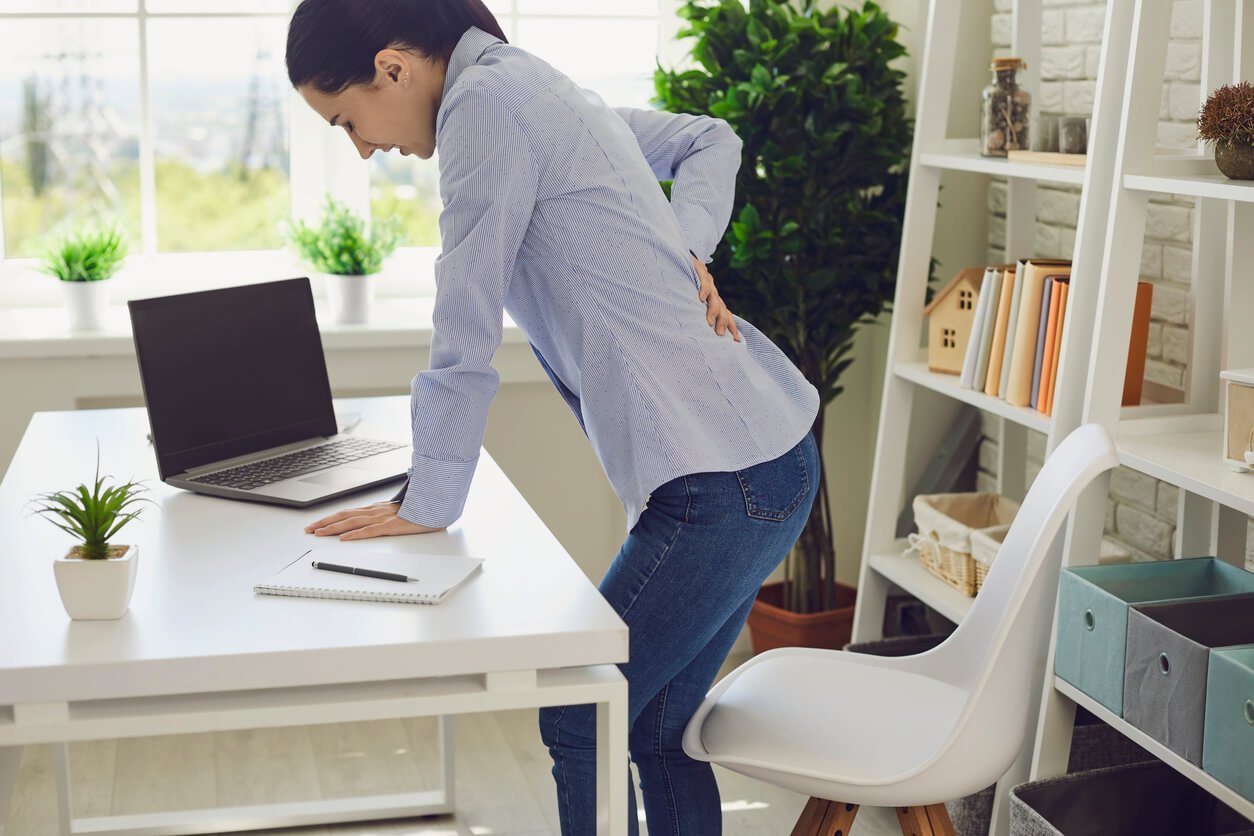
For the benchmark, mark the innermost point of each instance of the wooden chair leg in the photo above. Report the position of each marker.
(932, 820)
(825, 818)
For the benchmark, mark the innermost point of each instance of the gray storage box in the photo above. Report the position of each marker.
(1164, 685)
(1142, 800)
(1228, 741)
(1093, 614)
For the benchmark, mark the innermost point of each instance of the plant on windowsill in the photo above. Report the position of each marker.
(812, 252)
(96, 577)
(1227, 122)
(346, 252)
(84, 261)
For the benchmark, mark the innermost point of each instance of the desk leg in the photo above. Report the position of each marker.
(65, 803)
(10, 760)
(612, 762)
(448, 775)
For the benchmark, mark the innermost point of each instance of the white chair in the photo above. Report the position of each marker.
(851, 729)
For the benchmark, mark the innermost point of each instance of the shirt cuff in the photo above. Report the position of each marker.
(437, 497)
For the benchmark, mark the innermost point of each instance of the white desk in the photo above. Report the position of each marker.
(199, 651)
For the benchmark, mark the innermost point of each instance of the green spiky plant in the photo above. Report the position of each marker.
(90, 254)
(340, 243)
(92, 515)
(811, 255)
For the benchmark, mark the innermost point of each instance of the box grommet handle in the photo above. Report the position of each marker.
(1249, 712)
(1164, 664)
(1089, 621)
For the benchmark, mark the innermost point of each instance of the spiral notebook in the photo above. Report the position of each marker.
(437, 574)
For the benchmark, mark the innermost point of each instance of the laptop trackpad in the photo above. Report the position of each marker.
(342, 477)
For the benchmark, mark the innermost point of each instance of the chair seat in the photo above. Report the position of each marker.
(843, 718)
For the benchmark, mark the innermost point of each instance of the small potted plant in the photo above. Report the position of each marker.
(1227, 122)
(341, 248)
(84, 260)
(96, 577)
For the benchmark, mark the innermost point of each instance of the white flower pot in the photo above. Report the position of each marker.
(86, 303)
(349, 297)
(96, 589)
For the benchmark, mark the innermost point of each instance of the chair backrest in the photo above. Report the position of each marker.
(995, 652)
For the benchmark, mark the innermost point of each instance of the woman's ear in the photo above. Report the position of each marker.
(391, 65)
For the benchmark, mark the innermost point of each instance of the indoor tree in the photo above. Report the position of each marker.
(811, 254)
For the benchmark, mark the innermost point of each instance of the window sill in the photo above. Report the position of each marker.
(43, 332)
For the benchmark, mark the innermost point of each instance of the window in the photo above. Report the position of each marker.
(175, 117)
(949, 338)
(966, 300)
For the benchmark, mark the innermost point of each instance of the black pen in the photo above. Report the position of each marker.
(368, 573)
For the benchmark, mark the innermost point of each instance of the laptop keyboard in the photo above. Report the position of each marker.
(268, 471)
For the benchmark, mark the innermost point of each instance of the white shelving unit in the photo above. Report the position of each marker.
(883, 566)
(1183, 450)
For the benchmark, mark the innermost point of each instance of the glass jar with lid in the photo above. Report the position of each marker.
(1004, 116)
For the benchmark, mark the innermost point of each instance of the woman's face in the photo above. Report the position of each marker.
(395, 111)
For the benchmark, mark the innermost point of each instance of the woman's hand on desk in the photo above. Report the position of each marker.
(716, 313)
(377, 520)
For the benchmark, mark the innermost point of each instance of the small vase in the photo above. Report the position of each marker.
(349, 297)
(87, 304)
(94, 590)
(1235, 160)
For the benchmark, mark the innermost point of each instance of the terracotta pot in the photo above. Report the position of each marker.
(1235, 160)
(772, 626)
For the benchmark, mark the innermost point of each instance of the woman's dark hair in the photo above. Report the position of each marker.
(331, 44)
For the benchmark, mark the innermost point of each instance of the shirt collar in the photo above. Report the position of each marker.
(474, 42)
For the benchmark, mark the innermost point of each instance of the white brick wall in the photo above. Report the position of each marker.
(1142, 511)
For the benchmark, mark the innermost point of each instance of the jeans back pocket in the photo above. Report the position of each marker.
(774, 489)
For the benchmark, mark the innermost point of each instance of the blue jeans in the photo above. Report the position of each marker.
(684, 582)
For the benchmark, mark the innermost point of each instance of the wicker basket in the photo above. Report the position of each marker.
(946, 523)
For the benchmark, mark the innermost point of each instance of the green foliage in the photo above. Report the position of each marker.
(92, 515)
(812, 250)
(91, 253)
(340, 242)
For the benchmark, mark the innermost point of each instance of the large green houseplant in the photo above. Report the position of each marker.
(812, 250)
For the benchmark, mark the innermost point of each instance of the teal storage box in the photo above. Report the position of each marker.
(1228, 751)
(1093, 614)
(1169, 650)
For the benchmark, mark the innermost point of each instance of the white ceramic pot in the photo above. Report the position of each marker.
(349, 297)
(96, 589)
(86, 303)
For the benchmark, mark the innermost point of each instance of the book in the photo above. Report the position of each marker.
(1046, 290)
(999, 334)
(972, 357)
(1050, 348)
(1058, 332)
(1026, 326)
(438, 575)
(1016, 301)
(986, 339)
(1134, 377)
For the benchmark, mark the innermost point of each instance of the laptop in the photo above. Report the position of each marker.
(239, 401)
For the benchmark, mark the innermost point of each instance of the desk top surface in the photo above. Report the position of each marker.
(194, 622)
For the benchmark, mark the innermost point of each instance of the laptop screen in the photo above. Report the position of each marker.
(231, 372)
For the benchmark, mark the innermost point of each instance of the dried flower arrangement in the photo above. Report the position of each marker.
(1227, 122)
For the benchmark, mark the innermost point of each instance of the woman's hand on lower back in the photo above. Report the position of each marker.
(716, 313)
(378, 520)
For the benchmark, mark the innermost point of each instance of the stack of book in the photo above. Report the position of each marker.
(1016, 336)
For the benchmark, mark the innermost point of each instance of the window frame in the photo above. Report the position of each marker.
(320, 162)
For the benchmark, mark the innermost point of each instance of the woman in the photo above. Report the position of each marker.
(552, 211)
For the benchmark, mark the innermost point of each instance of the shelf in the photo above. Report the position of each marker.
(909, 574)
(1195, 774)
(1214, 185)
(964, 155)
(1186, 451)
(947, 384)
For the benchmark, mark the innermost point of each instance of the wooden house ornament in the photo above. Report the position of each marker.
(950, 317)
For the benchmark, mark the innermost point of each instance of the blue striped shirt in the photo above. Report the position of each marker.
(552, 212)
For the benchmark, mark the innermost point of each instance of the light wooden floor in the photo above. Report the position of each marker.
(503, 780)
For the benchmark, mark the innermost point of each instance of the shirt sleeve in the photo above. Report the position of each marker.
(488, 182)
(701, 155)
